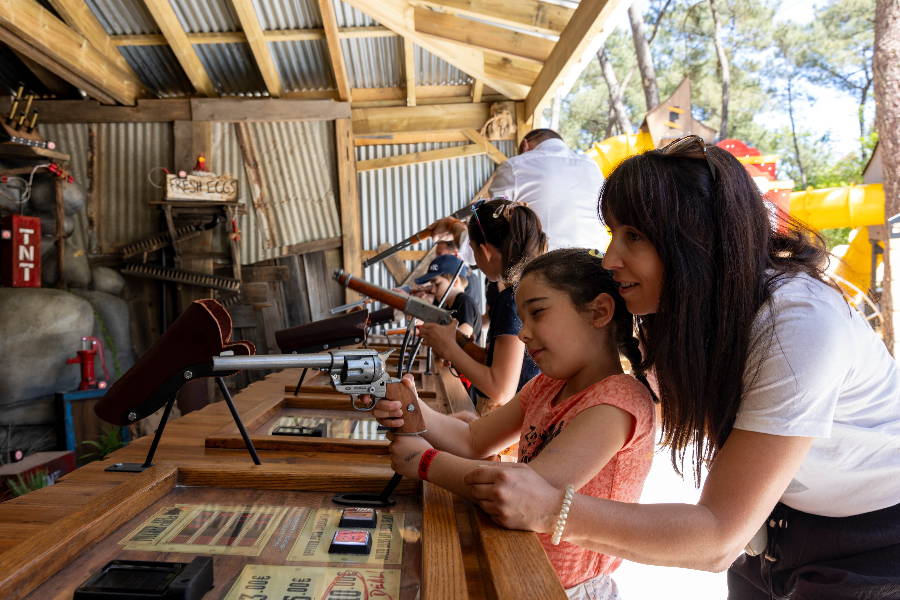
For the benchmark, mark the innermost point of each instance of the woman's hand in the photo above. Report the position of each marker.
(516, 497)
(406, 452)
(440, 337)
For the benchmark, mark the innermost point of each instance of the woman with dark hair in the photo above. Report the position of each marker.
(764, 374)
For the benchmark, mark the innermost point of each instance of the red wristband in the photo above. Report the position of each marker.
(425, 462)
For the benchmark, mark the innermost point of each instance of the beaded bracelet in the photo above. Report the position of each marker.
(425, 462)
(563, 515)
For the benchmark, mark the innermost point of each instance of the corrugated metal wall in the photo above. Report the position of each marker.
(297, 163)
(129, 151)
(397, 202)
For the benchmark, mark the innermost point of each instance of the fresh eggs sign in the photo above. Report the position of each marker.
(20, 251)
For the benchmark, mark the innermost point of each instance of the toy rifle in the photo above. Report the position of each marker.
(412, 306)
(416, 238)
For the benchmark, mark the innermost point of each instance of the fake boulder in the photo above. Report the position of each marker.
(77, 268)
(106, 280)
(39, 329)
(43, 195)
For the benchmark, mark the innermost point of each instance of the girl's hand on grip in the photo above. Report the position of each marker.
(386, 412)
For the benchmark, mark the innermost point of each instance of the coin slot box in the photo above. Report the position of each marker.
(359, 518)
(350, 542)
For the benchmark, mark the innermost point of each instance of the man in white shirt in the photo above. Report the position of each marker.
(559, 185)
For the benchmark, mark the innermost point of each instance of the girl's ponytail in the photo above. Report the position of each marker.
(511, 227)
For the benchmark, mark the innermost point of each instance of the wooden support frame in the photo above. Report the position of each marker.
(481, 36)
(257, 41)
(409, 56)
(238, 37)
(415, 158)
(535, 15)
(335, 52)
(31, 29)
(421, 119)
(258, 188)
(171, 28)
(348, 191)
(479, 140)
(586, 23)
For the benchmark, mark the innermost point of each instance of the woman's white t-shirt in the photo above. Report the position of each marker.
(817, 369)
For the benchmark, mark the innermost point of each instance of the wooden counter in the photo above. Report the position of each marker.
(43, 531)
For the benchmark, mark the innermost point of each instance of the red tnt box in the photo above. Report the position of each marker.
(20, 251)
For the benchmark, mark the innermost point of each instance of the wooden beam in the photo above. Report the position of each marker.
(329, 24)
(79, 17)
(91, 111)
(256, 38)
(438, 117)
(44, 33)
(315, 246)
(523, 124)
(242, 110)
(31, 53)
(411, 138)
(511, 69)
(535, 15)
(416, 158)
(271, 35)
(481, 36)
(351, 221)
(258, 189)
(171, 28)
(403, 254)
(410, 60)
(477, 90)
(392, 14)
(476, 138)
(589, 20)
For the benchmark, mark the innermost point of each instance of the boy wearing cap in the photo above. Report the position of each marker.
(440, 273)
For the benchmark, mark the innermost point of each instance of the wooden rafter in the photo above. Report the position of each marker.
(588, 21)
(416, 158)
(62, 50)
(168, 23)
(479, 140)
(477, 90)
(329, 24)
(410, 60)
(481, 36)
(392, 14)
(257, 41)
(535, 15)
(420, 119)
(238, 37)
(79, 17)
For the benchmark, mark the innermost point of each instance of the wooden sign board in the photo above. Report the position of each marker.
(221, 188)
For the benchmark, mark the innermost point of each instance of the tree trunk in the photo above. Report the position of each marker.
(886, 67)
(615, 95)
(644, 58)
(790, 84)
(723, 65)
(863, 97)
(554, 112)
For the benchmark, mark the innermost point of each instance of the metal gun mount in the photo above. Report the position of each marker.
(352, 372)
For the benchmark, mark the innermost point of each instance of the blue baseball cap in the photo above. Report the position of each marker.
(442, 264)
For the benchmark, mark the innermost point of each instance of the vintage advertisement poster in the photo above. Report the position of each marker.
(323, 525)
(267, 582)
(210, 529)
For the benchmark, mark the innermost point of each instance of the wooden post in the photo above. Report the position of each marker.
(93, 191)
(60, 235)
(351, 227)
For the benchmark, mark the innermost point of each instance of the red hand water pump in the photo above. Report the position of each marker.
(86, 359)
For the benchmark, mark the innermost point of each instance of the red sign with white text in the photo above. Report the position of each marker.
(20, 256)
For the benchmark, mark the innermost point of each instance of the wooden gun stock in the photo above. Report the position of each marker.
(374, 292)
(468, 345)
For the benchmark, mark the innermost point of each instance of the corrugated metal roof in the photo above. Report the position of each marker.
(288, 14)
(205, 16)
(297, 164)
(232, 69)
(303, 65)
(72, 138)
(130, 151)
(431, 70)
(397, 202)
(374, 62)
(158, 69)
(347, 16)
(123, 17)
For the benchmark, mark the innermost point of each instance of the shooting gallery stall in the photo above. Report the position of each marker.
(156, 155)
